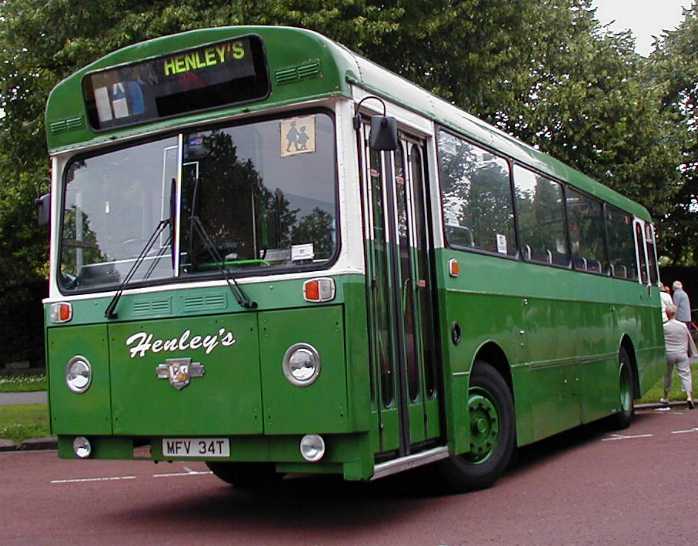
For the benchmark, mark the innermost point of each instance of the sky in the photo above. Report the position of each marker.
(644, 17)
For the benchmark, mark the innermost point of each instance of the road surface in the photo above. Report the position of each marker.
(590, 486)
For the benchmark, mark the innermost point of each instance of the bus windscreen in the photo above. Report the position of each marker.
(210, 76)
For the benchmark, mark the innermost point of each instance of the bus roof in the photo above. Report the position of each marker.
(302, 65)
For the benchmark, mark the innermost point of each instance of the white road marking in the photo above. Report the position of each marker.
(107, 479)
(626, 437)
(694, 429)
(174, 474)
(189, 472)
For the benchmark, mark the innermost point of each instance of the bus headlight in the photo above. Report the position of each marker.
(312, 447)
(301, 364)
(78, 374)
(82, 447)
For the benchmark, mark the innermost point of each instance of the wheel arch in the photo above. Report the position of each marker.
(490, 352)
(627, 344)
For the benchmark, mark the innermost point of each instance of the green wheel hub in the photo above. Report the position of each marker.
(484, 425)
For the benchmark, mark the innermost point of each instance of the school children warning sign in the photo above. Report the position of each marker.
(297, 136)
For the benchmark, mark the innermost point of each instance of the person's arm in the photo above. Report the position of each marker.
(692, 351)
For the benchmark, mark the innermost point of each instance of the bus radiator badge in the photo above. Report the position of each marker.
(179, 371)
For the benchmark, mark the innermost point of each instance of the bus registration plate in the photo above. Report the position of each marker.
(196, 447)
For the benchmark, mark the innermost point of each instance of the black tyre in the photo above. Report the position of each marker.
(246, 475)
(492, 433)
(624, 417)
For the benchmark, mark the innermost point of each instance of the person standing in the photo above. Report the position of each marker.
(682, 303)
(679, 349)
(665, 299)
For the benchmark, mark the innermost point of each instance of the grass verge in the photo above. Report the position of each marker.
(655, 393)
(23, 383)
(17, 423)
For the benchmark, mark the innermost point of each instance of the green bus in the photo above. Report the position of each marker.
(274, 256)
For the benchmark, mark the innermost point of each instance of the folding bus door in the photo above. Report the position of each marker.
(400, 307)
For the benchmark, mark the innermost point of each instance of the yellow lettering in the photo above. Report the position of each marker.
(180, 64)
(170, 67)
(201, 63)
(238, 51)
(221, 53)
(210, 57)
(190, 61)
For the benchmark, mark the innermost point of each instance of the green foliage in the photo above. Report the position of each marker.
(674, 70)
(543, 70)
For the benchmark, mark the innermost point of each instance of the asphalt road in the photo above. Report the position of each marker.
(12, 398)
(590, 486)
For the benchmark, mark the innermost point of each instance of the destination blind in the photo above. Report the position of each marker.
(206, 77)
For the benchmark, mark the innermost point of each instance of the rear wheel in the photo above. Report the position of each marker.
(492, 433)
(246, 475)
(624, 417)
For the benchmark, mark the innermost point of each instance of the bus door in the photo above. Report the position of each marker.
(400, 307)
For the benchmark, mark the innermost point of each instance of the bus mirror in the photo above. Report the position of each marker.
(383, 135)
(43, 204)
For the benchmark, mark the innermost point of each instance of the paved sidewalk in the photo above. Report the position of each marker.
(14, 398)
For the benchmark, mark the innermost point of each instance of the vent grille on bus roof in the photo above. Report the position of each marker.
(294, 73)
(65, 125)
(161, 306)
(204, 303)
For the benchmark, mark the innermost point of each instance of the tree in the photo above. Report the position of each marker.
(543, 70)
(674, 67)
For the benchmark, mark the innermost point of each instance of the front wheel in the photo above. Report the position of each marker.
(246, 475)
(624, 417)
(492, 433)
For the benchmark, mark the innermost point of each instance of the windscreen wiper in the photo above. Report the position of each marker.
(110, 311)
(235, 289)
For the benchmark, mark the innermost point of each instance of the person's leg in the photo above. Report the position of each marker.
(667, 378)
(683, 368)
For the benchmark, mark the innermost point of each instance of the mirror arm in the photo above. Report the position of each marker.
(357, 117)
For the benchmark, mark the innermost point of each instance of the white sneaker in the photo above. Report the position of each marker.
(664, 401)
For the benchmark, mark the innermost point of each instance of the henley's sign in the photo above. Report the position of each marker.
(141, 343)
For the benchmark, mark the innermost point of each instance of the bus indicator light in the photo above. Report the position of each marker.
(453, 267)
(318, 290)
(61, 312)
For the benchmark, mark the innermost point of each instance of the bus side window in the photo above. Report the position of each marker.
(651, 253)
(540, 212)
(476, 197)
(640, 246)
(586, 227)
(621, 246)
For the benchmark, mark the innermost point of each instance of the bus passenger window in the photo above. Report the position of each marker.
(541, 216)
(621, 246)
(476, 197)
(641, 253)
(586, 233)
(651, 253)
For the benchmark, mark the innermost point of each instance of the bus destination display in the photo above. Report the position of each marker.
(206, 77)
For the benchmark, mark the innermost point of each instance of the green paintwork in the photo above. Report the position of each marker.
(322, 407)
(243, 394)
(90, 412)
(560, 332)
(226, 400)
(287, 50)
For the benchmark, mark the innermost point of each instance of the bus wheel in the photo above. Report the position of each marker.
(246, 475)
(492, 436)
(623, 418)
